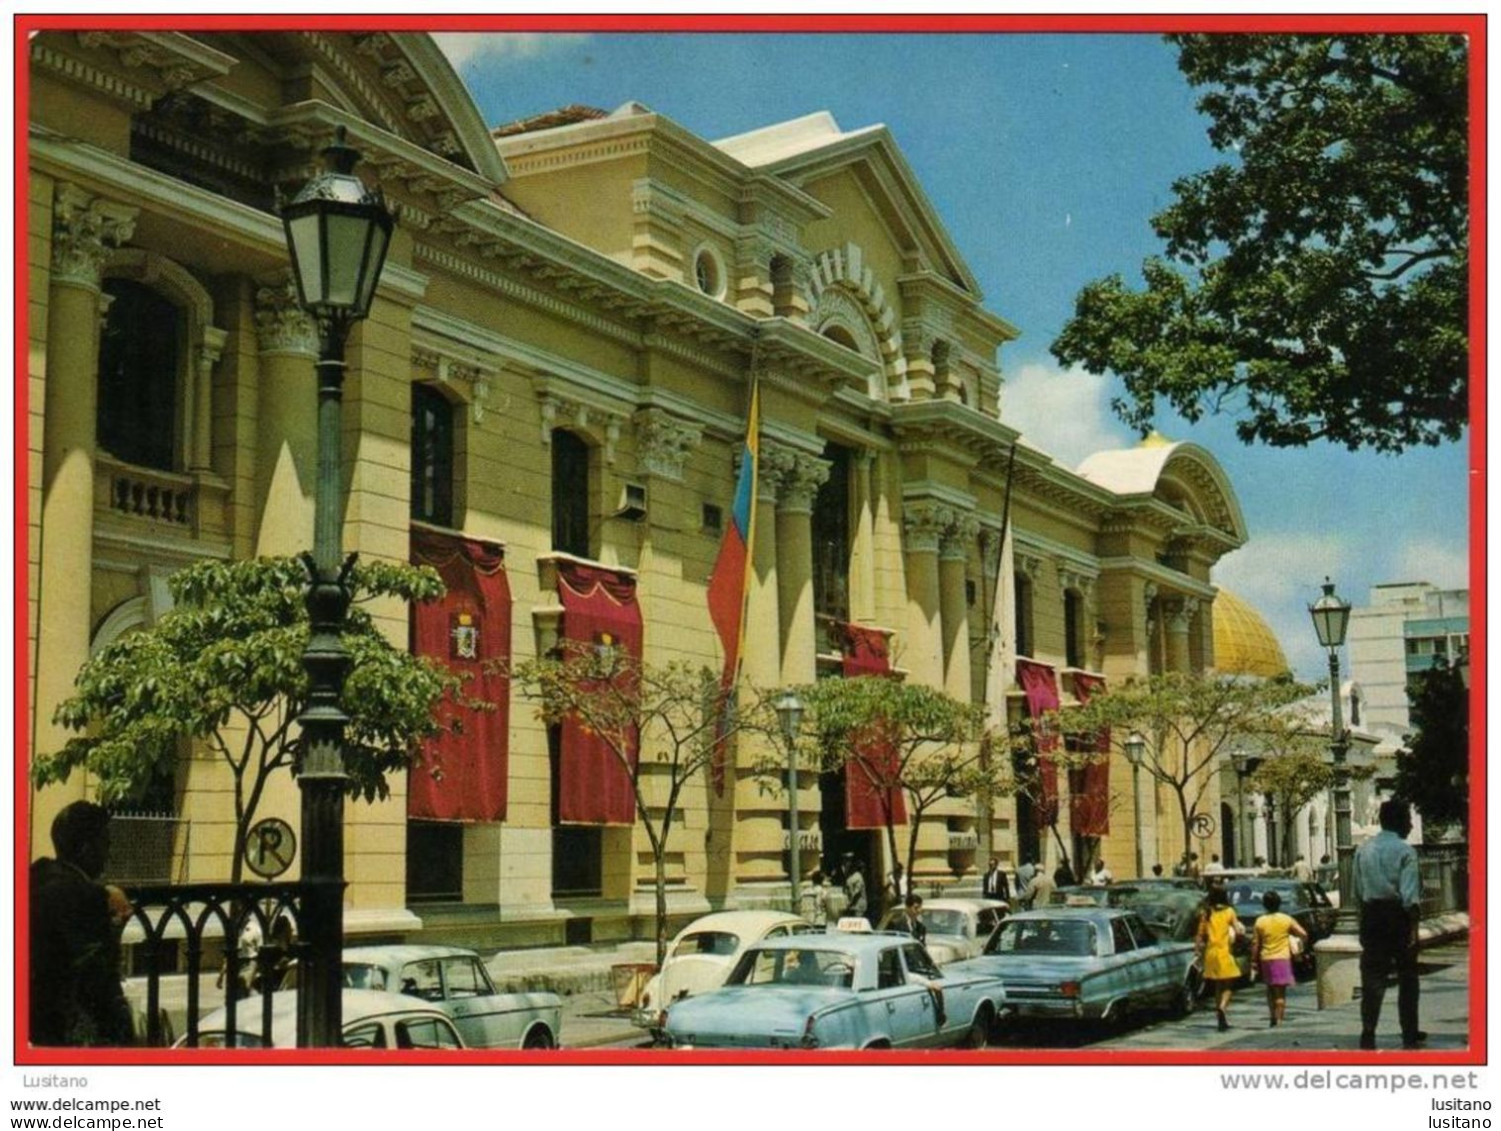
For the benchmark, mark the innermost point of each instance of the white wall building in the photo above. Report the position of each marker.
(1400, 633)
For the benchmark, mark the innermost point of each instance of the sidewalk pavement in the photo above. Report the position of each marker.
(1443, 1011)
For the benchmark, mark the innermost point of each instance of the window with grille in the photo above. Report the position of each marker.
(432, 456)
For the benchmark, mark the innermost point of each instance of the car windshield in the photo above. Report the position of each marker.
(722, 943)
(363, 976)
(1043, 936)
(944, 922)
(787, 967)
(1249, 894)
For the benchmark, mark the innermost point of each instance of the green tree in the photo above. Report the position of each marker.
(1295, 770)
(224, 667)
(1315, 283)
(1189, 723)
(659, 721)
(933, 742)
(1433, 773)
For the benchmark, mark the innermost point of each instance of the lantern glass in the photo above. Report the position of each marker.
(790, 714)
(1331, 616)
(1136, 748)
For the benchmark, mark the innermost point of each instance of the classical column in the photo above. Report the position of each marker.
(201, 385)
(84, 231)
(1179, 618)
(286, 428)
(800, 476)
(953, 557)
(863, 548)
(924, 523)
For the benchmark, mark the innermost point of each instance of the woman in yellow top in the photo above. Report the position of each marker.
(1218, 930)
(1272, 950)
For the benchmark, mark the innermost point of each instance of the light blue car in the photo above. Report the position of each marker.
(1093, 963)
(839, 991)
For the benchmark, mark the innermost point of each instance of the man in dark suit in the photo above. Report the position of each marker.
(76, 999)
(994, 884)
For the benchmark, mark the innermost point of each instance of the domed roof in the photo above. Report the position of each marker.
(1243, 642)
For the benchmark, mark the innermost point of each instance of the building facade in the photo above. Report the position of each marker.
(545, 404)
(1404, 630)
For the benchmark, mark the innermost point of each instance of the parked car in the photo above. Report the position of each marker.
(704, 952)
(1085, 962)
(1187, 883)
(839, 991)
(372, 1019)
(957, 928)
(1305, 901)
(455, 981)
(1080, 895)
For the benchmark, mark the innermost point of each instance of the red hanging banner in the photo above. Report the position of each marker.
(1042, 696)
(599, 611)
(464, 774)
(1089, 786)
(871, 801)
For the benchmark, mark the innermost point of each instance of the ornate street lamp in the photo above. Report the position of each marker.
(1136, 750)
(789, 710)
(1331, 617)
(337, 233)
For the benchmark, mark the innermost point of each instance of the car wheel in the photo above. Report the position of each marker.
(981, 1029)
(539, 1038)
(1185, 998)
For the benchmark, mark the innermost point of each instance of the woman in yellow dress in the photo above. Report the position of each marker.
(1218, 930)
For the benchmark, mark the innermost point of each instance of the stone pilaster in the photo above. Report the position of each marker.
(924, 524)
(1180, 616)
(799, 475)
(286, 424)
(85, 230)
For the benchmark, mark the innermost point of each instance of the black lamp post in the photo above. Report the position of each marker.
(1136, 750)
(789, 710)
(337, 233)
(1331, 617)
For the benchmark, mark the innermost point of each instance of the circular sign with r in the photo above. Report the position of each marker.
(270, 847)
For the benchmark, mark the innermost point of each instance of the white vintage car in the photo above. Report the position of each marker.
(957, 928)
(704, 952)
(455, 981)
(371, 1020)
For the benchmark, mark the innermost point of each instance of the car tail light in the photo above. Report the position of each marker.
(810, 1038)
(1069, 989)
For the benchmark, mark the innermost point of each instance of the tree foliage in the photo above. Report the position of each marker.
(1189, 723)
(1433, 774)
(1316, 282)
(224, 667)
(660, 722)
(934, 744)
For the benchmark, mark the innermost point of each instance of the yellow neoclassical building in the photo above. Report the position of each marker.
(546, 401)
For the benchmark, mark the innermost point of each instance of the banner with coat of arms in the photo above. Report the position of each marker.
(463, 775)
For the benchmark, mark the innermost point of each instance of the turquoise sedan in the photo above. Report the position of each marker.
(1086, 963)
(839, 991)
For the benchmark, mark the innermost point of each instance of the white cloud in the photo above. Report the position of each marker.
(466, 50)
(1065, 412)
(1444, 565)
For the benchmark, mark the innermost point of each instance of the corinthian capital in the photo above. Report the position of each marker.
(924, 524)
(281, 324)
(797, 476)
(959, 536)
(84, 231)
(664, 441)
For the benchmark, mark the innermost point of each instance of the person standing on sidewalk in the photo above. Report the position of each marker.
(1387, 890)
(1272, 953)
(1218, 929)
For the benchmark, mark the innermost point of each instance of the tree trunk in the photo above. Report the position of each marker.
(661, 872)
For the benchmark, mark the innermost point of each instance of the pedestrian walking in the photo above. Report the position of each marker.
(1100, 876)
(1214, 867)
(994, 884)
(1301, 871)
(1218, 929)
(1024, 876)
(1387, 890)
(819, 891)
(897, 888)
(1272, 946)
(1038, 893)
(76, 998)
(855, 903)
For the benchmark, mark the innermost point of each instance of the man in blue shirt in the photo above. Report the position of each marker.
(1387, 891)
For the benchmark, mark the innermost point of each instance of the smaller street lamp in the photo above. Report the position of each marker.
(789, 710)
(1331, 617)
(1136, 750)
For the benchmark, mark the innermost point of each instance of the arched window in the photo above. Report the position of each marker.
(570, 494)
(432, 456)
(139, 355)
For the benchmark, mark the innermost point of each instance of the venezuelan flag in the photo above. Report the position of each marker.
(729, 584)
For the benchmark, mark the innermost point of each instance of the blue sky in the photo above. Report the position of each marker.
(1045, 155)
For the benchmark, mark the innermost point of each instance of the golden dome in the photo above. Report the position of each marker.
(1243, 643)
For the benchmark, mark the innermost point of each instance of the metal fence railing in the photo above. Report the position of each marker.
(1445, 873)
